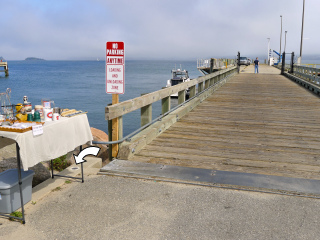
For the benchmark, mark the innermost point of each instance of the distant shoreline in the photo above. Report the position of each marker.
(305, 59)
(34, 59)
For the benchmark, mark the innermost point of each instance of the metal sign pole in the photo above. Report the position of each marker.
(283, 63)
(238, 62)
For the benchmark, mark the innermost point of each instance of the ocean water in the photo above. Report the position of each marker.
(81, 85)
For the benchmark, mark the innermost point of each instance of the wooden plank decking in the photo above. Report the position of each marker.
(256, 123)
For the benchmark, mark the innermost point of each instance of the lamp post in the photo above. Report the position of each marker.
(280, 37)
(285, 40)
(268, 49)
(299, 58)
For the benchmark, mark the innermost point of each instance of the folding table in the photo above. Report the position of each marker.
(58, 138)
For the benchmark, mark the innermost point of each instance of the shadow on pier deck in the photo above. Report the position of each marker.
(261, 126)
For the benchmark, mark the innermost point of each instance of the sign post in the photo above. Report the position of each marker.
(115, 68)
(115, 83)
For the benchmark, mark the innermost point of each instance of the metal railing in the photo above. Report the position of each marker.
(312, 65)
(203, 63)
(215, 64)
(307, 72)
(306, 75)
(310, 74)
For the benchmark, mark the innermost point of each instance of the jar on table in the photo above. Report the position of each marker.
(39, 108)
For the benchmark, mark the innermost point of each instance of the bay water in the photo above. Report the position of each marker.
(80, 85)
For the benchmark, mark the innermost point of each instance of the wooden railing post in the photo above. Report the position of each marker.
(217, 79)
(214, 79)
(211, 81)
(120, 130)
(115, 128)
(206, 84)
(146, 113)
(192, 91)
(181, 96)
(200, 87)
(165, 105)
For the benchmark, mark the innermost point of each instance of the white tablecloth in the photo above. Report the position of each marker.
(58, 138)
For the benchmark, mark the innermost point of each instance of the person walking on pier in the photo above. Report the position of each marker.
(256, 66)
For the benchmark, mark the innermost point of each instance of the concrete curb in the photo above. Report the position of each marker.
(91, 167)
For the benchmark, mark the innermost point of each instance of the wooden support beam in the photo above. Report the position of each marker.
(207, 84)
(166, 105)
(200, 87)
(120, 124)
(115, 128)
(211, 81)
(192, 91)
(146, 114)
(181, 96)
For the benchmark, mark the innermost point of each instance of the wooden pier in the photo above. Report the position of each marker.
(5, 66)
(255, 123)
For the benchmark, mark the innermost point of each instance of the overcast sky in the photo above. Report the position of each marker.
(155, 29)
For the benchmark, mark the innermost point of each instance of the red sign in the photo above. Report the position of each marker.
(115, 67)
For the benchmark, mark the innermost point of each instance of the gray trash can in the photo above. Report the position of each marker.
(10, 199)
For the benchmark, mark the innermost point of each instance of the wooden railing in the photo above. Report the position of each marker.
(197, 87)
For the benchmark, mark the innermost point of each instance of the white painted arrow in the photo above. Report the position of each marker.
(87, 151)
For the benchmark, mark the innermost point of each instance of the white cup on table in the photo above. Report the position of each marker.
(56, 117)
(47, 114)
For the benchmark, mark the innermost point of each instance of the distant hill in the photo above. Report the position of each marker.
(34, 59)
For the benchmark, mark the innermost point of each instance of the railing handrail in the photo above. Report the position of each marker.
(217, 62)
(120, 109)
(309, 74)
(306, 67)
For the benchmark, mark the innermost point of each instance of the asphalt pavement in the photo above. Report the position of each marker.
(110, 207)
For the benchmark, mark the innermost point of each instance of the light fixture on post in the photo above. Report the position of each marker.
(268, 50)
(285, 40)
(299, 58)
(280, 39)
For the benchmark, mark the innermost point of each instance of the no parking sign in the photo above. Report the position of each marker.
(115, 67)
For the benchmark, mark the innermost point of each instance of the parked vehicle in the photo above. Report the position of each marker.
(244, 61)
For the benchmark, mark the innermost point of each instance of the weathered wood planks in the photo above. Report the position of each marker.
(257, 123)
